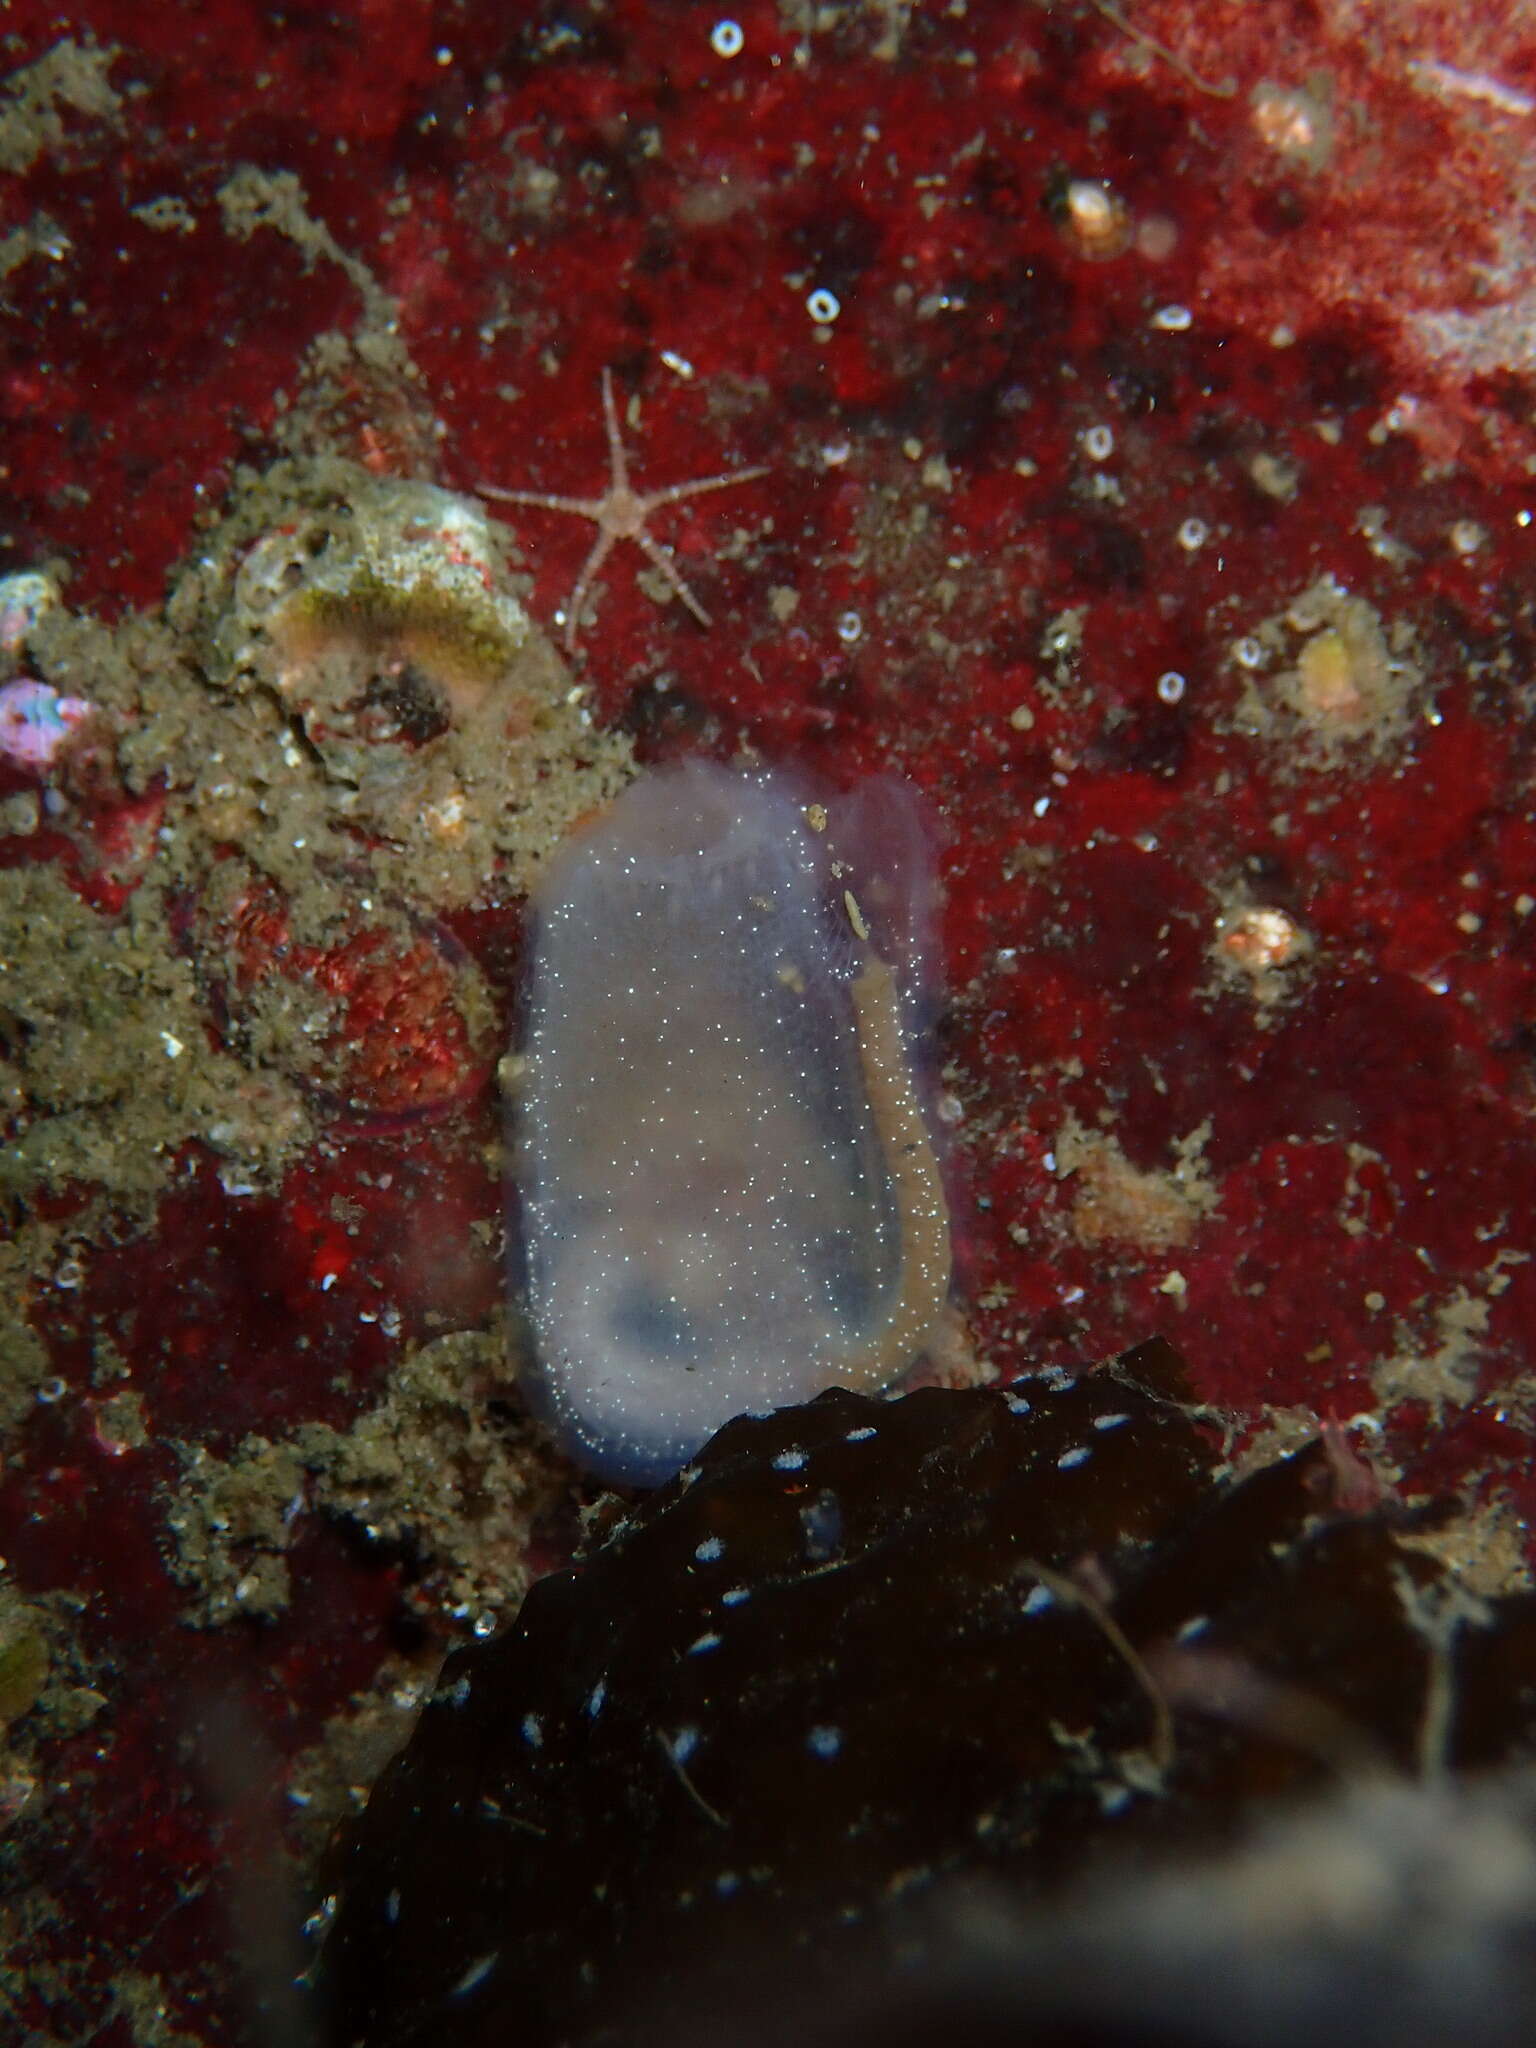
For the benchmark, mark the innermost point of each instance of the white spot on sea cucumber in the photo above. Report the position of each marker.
(1017, 1405)
(861, 1436)
(533, 1731)
(596, 1697)
(709, 1550)
(824, 1742)
(708, 1641)
(1078, 1455)
(475, 1975)
(789, 1461)
(735, 1596)
(392, 1906)
(821, 1523)
(1110, 1421)
(682, 1745)
(1041, 1598)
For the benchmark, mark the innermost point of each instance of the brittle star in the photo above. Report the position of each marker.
(621, 513)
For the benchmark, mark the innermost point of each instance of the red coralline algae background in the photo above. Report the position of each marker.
(1138, 327)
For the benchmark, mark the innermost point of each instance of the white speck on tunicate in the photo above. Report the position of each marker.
(726, 39)
(823, 306)
(1193, 535)
(1173, 319)
(849, 627)
(1098, 443)
(1170, 686)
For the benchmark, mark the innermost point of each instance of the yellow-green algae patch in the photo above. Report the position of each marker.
(433, 1466)
(105, 1067)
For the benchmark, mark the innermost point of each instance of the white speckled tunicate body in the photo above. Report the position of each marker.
(712, 1218)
